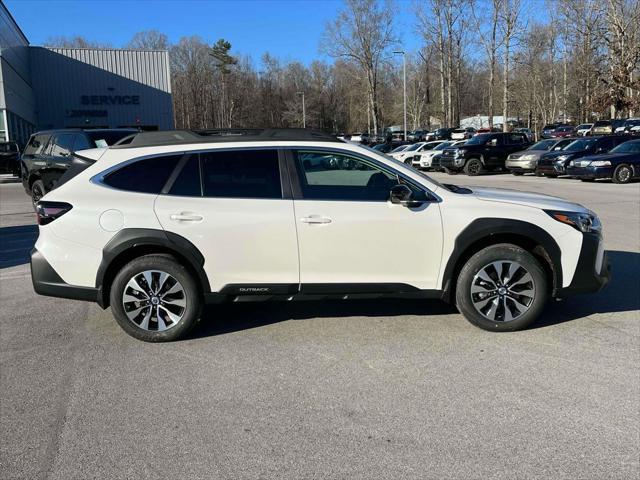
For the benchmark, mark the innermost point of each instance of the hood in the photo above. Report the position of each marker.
(527, 199)
(605, 156)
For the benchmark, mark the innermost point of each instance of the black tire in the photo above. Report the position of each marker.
(622, 174)
(479, 261)
(37, 191)
(473, 167)
(191, 295)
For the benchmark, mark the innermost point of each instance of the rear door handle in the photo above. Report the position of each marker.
(315, 219)
(186, 217)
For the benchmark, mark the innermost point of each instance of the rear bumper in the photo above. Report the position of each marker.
(593, 271)
(46, 281)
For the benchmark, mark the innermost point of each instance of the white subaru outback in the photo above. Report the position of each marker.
(164, 222)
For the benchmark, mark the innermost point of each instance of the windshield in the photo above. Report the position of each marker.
(632, 123)
(542, 145)
(584, 126)
(443, 145)
(479, 139)
(582, 144)
(627, 147)
(399, 149)
(413, 147)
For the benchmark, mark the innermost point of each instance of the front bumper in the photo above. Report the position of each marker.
(590, 172)
(521, 165)
(593, 271)
(46, 281)
(452, 163)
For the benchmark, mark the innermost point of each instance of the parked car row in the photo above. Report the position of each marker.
(601, 127)
(610, 156)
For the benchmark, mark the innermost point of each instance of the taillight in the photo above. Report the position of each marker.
(47, 212)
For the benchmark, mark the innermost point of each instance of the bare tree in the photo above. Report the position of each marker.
(488, 33)
(364, 33)
(74, 42)
(149, 40)
(509, 20)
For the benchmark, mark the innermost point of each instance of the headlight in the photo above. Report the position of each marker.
(584, 222)
(600, 163)
(529, 156)
(562, 158)
(460, 152)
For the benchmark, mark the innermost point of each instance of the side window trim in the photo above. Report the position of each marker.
(295, 173)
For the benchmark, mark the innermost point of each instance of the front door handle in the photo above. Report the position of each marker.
(186, 217)
(315, 219)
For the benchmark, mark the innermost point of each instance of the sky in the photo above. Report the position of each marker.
(288, 29)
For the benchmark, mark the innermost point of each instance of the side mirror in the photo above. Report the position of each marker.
(401, 194)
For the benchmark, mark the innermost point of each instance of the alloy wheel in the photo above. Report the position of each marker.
(624, 174)
(154, 300)
(502, 291)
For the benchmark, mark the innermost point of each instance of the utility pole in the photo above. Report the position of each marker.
(404, 90)
(304, 112)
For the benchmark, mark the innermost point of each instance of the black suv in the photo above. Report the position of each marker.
(48, 154)
(487, 151)
(9, 158)
(555, 163)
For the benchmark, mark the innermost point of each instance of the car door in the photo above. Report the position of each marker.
(233, 206)
(494, 150)
(351, 237)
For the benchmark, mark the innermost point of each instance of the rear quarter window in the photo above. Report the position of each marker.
(36, 144)
(148, 175)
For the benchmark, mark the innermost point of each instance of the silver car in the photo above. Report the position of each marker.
(526, 161)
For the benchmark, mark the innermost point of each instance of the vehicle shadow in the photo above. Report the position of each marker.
(621, 295)
(233, 317)
(16, 244)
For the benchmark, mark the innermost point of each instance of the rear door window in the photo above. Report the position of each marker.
(187, 183)
(148, 175)
(241, 174)
(62, 145)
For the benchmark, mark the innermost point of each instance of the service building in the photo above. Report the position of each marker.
(43, 88)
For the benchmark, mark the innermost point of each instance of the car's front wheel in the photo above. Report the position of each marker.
(501, 288)
(155, 299)
(473, 167)
(622, 174)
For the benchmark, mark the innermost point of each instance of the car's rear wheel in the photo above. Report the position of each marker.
(473, 167)
(622, 174)
(37, 191)
(501, 288)
(155, 299)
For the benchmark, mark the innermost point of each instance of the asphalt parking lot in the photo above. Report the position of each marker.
(360, 389)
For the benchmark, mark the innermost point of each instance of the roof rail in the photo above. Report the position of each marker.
(222, 135)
